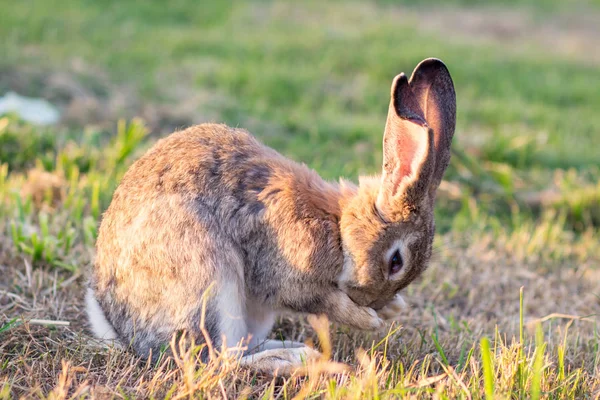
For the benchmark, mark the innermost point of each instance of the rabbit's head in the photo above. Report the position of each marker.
(387, 226)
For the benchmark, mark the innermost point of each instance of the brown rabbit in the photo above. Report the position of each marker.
(211, 207)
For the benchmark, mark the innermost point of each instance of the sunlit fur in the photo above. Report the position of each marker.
(367, 239)
(213, 234)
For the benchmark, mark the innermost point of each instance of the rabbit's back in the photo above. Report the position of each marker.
(205, 159)
(168, 216)
(204, 173)
(206, 205)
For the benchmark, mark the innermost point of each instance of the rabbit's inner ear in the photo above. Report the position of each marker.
(407, 155)
(434, 90)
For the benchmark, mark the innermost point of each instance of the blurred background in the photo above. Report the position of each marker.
(310, 79)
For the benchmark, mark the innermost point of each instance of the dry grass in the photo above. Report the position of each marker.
(471, 291)
(571, 35)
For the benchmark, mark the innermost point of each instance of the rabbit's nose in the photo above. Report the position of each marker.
(379, 304)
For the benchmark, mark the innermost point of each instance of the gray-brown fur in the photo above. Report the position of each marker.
(422, 114)
(211, 205)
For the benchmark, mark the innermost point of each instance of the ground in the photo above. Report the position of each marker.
(508, 307)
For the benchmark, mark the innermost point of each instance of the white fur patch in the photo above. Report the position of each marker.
(259, 322)
(232, 314)
(101, 328)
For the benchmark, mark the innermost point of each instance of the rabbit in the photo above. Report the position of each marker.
(214, 235)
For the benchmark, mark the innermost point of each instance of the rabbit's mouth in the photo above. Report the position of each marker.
(375, 299)
(379, 304)
(360, 296)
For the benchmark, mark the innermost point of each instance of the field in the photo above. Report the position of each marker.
(509, 306)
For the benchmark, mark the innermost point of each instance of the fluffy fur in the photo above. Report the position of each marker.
(212, 219)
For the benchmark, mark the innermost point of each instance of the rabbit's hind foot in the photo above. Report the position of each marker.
(280, 361)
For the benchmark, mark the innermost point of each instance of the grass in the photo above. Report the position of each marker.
(508, 308)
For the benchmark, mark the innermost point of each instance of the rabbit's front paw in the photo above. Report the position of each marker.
(368, 319)
(341, 309)
(392, 310)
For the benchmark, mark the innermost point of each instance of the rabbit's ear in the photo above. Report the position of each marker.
(407, 153)
(432, 85)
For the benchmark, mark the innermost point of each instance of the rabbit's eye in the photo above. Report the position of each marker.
(396, 262)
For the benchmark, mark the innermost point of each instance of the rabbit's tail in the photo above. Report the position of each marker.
(101, 328)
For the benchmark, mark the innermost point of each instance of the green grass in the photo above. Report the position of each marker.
(313, 74)
(521, 205)
(312, 77)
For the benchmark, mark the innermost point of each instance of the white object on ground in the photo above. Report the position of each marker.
(29, 109)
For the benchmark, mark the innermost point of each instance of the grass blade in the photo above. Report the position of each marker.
(488, 372)
(13, 323)
(538, 364)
